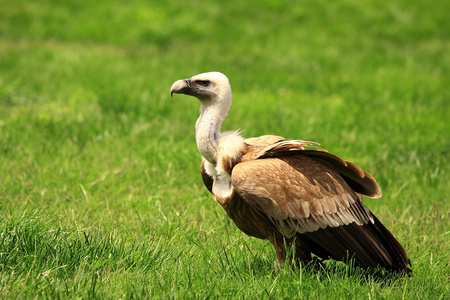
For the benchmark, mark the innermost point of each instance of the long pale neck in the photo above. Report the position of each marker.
(207, 129)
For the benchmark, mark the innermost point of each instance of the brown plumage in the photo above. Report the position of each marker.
(289, 191)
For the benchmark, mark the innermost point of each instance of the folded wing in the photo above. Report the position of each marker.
(311, 197)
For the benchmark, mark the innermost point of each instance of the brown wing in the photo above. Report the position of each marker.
(359, 180)
(308, 199)
(298, 194)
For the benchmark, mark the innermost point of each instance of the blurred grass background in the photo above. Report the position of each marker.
(100, 192)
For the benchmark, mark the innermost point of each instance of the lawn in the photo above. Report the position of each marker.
(100, 191)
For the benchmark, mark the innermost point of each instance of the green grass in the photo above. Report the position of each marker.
(100, 192)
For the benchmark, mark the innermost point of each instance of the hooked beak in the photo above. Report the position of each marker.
(182, 86)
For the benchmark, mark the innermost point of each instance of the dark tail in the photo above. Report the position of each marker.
(369, 245)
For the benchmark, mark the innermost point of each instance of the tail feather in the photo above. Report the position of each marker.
(369, 245)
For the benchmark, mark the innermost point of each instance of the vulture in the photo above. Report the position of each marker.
(290, 192)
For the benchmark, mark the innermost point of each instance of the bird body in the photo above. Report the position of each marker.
(288, 191)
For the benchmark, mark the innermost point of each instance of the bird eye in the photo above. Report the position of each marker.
(204, 83)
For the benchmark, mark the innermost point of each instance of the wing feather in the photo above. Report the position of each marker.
(298, 194)
(360, 181)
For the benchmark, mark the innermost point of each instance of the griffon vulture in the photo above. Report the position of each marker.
(288, 191)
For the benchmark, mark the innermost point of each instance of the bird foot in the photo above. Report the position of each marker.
(278, 265)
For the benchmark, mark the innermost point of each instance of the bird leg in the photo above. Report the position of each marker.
(297, 253)
(278, 244)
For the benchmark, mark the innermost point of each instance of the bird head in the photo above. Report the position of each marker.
(206, 87)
